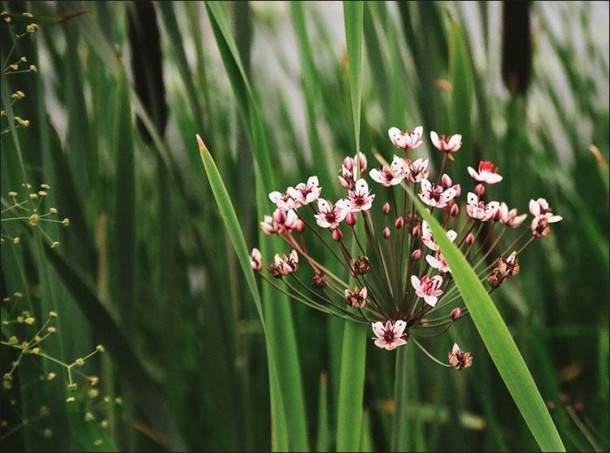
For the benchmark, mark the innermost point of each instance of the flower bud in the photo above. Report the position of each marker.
(386, 208)
(497, 215)
(337, 235)
(362, 160)
(348, 163)
(456, 313)
(300, 226)
(399, 223)
(470, 239)
(351, 218)
(256, 262)
(386, 233)
(479, 190)
(455, 209)
(416, 230)
(318, 280)
(446, 180)
(416, 255)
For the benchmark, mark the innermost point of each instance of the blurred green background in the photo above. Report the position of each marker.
(146, 267)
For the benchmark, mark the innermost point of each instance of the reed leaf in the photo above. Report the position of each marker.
(353, 357)
(497, 339)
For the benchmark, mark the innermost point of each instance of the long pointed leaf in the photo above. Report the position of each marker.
(497, 339)
(231, 223)
(353, 357)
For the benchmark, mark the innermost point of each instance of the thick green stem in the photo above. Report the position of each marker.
(400, 432)
(353, 359)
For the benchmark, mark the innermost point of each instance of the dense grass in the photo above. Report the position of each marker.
(147, 269)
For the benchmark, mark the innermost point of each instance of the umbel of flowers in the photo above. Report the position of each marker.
(401, 284)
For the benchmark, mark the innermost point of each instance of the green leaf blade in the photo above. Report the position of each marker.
(231, 222)
(497, 340)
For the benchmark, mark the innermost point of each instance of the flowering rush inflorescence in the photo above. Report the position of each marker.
(400, 282)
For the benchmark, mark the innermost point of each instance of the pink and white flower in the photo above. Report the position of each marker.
(510, 218)
(478, 209)
(256, 260)
(427, 288)
(458, 359)
(487, 173)
(280, 222)
(283, 201)
(428, 239)
(543, 215)
(284, 265)
(389, 337)
(390, 176)
(347, 174)
(305, 193)
(346, 178)
(540, 207)
(449, 144)
(329, 215)
(350, 163)
(436, 196)
(438, 262)
(360, 199)
(406, 140)
(418, 170)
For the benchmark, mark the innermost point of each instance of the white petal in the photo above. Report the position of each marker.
(313, 181)
(433, 262)
(493, 178)
(415, 282)
(361, 186)
(399, 327)
(400, 342)
(454, 141)
(448, 195)
(275, 196)
(376, 176)
(425, 185)
(419, 130)
(451, 234)
(472, 198)
(323, 205)
(434, 138)
(473, 173)
(378, 329)
(430, 300)
(380, 343)
(534, 208)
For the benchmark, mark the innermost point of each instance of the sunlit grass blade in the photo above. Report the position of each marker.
(497, 339)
